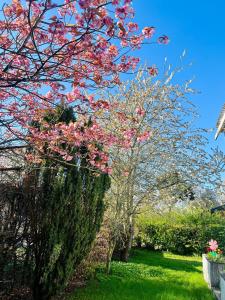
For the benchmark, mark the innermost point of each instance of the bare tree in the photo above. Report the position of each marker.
(174, 145)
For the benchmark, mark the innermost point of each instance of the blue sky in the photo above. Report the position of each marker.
(198, 27)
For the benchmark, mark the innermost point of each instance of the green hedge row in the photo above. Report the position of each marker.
(182, 237)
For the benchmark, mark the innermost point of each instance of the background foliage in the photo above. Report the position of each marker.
(181, 232)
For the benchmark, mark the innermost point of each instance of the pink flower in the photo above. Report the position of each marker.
(136, 41)
(148, 32)
(163, 40)
(124, 11)
(127, 2)
(84, 3)
(140, 111)
(153, 71)
(144, 136)
(121, 12)
(213, 245)
(113, 50)
(132, 27)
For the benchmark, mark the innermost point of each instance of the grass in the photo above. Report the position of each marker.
(149, 276)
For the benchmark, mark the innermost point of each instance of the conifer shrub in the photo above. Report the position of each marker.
(68, 213)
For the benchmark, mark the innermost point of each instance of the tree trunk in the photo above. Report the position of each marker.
(125, 251)
(109, 256)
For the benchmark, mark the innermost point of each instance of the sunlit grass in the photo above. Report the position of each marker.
(149, 276)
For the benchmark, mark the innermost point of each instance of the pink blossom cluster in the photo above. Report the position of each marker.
(56, 52)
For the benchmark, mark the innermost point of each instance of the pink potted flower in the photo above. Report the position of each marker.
(213, 264)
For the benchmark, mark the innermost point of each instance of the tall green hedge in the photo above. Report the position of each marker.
(68, 213)
(71, 214)
(181, 233)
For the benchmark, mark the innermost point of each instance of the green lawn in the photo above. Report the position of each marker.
(149, 276)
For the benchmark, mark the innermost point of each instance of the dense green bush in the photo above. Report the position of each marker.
(70, 209)
(181, 232)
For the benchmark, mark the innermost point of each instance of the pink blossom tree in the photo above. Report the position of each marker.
(60, 53)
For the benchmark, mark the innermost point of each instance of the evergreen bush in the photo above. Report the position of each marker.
(68, 214)
(182, 232)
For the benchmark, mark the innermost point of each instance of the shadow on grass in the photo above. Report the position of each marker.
(118, 289)
(156, 259)
(149, 276)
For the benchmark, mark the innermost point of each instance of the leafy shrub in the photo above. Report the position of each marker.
(180, 232)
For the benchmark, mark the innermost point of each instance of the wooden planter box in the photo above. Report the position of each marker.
(211, 271)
